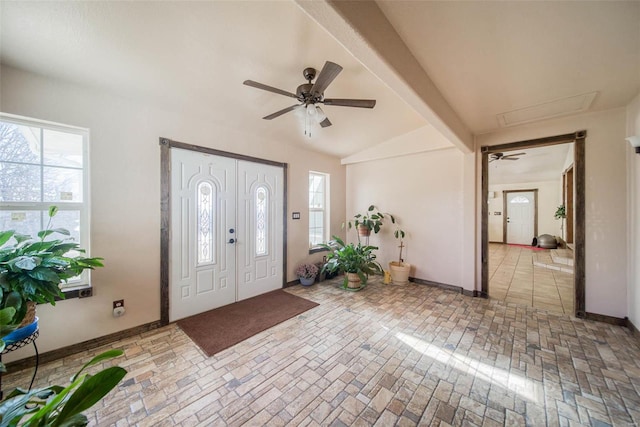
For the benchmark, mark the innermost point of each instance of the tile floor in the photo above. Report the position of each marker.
(514, 278)
(388, 355)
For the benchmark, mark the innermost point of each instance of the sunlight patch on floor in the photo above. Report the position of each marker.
(524, 387)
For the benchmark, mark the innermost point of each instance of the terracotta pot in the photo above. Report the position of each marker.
(399, 272)
(353, 281)
(363, 231)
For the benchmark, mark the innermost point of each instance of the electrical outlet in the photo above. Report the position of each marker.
(118, 303)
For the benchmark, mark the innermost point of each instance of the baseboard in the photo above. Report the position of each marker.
(291, 283)
(606, 319)
(59, 353)
(634, 331)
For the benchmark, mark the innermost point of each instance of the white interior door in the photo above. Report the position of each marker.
(260, 216)
(520, 217)
(226, 231)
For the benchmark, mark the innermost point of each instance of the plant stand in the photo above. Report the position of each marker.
(31, 339)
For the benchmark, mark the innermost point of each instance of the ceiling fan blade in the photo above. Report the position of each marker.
(329, 72)
(281, 112)
(509, 158)
(360, 103)
(268, 88)
(325, 123)
(513, 155)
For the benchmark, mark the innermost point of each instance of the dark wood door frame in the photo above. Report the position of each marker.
(506, 216)
(165, 211)
(578, 138)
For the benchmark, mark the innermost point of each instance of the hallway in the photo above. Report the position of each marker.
(513, 277)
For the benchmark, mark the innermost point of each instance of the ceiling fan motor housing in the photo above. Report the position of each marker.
(305, 96)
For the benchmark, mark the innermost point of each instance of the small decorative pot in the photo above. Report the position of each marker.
(307, 281)
(363, 230)
(353, 281)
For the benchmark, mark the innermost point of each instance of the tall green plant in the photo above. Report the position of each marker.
(57, 406)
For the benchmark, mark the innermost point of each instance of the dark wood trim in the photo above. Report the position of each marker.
(606, 319)
(49, 356)
(183, 145)
(165, 227)
(456, 289)
(291, 283)
(539, 142)
(165, 211)
(505, 207)
(578, 138)
(484, 227)
(579, 230)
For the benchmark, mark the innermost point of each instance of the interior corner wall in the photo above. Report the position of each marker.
(125, 195)
(606, 200)
(425, 193)
(633, 174)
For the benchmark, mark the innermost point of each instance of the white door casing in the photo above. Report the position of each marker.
(215, 256)
(520, 217)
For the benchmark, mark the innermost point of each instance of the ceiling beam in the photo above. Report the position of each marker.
(362, 28)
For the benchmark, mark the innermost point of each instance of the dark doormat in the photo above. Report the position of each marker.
(216, 330)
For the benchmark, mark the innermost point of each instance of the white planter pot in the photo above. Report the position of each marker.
(399, 272)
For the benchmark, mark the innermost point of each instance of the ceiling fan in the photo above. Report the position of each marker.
(501, 156)
(309, 94)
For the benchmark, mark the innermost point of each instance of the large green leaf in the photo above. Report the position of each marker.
(5, 236)
(109, 354)
(90, 392)
(26, 262)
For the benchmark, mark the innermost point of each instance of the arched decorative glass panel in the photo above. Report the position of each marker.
(520, 199)
(262, 223)
(205, 210)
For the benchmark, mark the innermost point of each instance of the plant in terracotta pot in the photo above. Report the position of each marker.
(32, 269)
(307, 274)
(356, 261)
(370, 221)
(399, 269)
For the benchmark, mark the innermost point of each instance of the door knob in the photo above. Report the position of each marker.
(231, 241)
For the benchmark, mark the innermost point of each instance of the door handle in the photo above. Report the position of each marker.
(231, 241)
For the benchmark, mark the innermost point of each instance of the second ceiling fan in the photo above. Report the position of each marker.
(501, 156)
(309, 94)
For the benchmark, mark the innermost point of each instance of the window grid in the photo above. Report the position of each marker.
(317, 208)
(44, 164)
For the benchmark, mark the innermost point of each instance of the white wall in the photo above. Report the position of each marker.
(425, 192)
(633, 174)
(606, 201)
(125, 195)
(549, 198)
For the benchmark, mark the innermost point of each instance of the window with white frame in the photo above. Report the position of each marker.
(318, 208)
(41, 165)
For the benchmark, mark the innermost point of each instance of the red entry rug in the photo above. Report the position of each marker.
(533, 248)
(219, 329)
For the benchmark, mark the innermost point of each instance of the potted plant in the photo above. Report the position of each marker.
(62, 406)
(369, 221)
(356, 261)
(561, 214)
(32, 269)
(399, 269)
(307, 274)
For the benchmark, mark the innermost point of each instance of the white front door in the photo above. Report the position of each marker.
(226, 231)
(260, 215)
(520, 217)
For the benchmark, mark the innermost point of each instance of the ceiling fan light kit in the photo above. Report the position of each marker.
(309, 94)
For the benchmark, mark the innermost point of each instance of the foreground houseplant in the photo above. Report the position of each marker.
(32, 270)
(356, 261)
(62, 406)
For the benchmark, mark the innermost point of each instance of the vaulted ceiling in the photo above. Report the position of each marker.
(482, 59)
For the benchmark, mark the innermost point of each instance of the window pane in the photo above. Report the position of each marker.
(62, 149)
(205, 211)
(23, 222)
(261, 220)
(19, 183)
(19, 143)
(62, 185)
